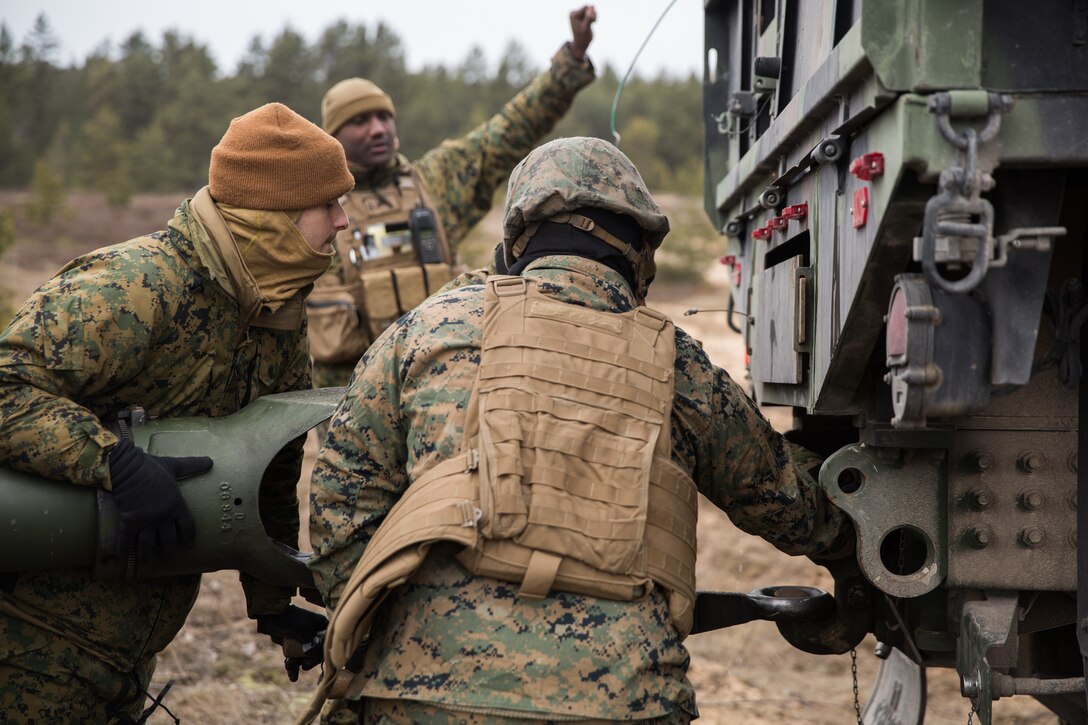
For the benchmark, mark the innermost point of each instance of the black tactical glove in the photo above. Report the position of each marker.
(153, 514)
(301, 634)
(305, 657)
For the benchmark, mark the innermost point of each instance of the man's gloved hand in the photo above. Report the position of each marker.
(153, 514)
(301, 634)
(303, 657)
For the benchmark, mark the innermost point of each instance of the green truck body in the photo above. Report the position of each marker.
(902, 187)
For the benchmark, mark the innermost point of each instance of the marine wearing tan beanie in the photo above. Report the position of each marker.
(274, 159)
(348, 99)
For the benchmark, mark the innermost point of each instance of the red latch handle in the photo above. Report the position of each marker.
(859, 210)
(868, 166)
(796, 211)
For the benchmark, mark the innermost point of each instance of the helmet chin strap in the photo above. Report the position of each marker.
(641, 262)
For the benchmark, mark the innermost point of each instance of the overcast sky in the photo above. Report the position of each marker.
(432, 31)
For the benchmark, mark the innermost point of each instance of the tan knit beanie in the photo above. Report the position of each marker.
(274, 159)
(348, 99)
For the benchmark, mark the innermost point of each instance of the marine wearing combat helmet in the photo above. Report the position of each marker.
(455, 391)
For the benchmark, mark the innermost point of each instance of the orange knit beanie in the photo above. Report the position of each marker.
(274, 159)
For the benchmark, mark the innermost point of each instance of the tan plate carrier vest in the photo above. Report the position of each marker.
(564, 479)
(353, 304)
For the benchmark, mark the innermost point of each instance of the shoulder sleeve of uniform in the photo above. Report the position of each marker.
(743, 465)
(360, 472)
(572, 74)
(465, 279)
(87, 330)
(482, 159)
(402, 409)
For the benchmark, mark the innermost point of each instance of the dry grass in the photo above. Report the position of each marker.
(225, 673)
(83, 223)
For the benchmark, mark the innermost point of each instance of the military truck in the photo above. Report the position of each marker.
(902, 186)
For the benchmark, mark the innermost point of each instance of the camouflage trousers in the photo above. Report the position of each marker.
(408, 712)
(45, 678)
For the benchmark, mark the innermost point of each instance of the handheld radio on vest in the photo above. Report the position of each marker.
(424, 227)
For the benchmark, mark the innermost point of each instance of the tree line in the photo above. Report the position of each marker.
(143, 116)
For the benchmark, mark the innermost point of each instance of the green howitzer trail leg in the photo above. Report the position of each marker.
(54, 525)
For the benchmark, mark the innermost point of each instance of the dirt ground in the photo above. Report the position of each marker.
(223, 672)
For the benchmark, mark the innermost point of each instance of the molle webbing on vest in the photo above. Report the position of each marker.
(575, 470)
(388, 205)
(670, 554)
(353, 305)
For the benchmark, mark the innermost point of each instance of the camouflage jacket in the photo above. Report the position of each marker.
(140, 323)
(468, 642)
(461, 175)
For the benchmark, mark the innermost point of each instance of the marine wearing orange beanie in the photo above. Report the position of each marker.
(274, 159)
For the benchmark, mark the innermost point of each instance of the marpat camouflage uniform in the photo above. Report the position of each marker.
(408, 712)
(461, 175)
(137, 324)
(451, 639)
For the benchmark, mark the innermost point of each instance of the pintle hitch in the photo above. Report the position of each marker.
(717, 610)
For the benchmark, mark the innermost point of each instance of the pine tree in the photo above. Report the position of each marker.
(47, 195)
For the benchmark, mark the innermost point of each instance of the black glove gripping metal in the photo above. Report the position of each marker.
(301, 634)
(153, 516)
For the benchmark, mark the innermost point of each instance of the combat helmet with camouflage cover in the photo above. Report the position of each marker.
(568, 174)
